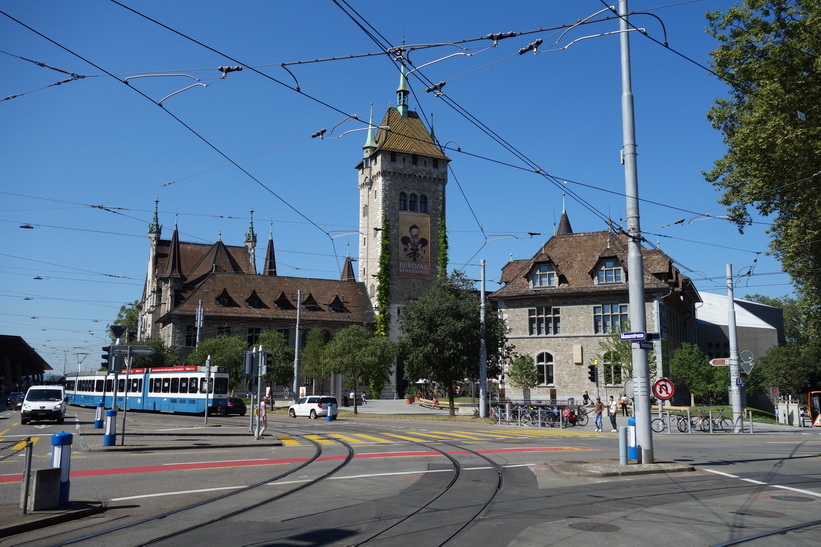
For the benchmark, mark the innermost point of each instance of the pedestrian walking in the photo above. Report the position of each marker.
(623, 402)
(597, 412)
(262, 416)
(364, 400)
(586, 399)
(612, 408)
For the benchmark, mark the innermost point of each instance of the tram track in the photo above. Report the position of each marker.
(191, 508)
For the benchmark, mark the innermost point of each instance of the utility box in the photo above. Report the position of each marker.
(44, 492)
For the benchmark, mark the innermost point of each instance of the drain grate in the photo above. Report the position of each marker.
(784, 497)
(760, 513)
(594, 527)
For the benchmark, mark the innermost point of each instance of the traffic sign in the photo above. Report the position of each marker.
(133, 351)
(645, 344)
(739, 382)
(720, 362)
(633, 336)
(663, 389)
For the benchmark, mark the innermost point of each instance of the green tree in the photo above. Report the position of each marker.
(796, 330)
(382, 321)
(443, 247)
(616, 358)
(359, 356)
(312, 365)
(771, 122)
(793, 369)
(128, 317)
(523, 374)
(691, 368)
(280, 358)
(225, 351)
(441, 340)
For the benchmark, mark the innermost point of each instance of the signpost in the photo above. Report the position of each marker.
(664, 389)
(720, 362)
(633, 336)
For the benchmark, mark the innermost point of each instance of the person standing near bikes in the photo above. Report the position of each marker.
(597, 412)
(612, 408)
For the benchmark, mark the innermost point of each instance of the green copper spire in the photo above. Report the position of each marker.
(370, 142)
(402, 94)
(154, 227)
(250, 236)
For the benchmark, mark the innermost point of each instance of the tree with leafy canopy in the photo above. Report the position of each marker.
(359, 356)
(771, 122)
(793, 369)
(522, 373)
(312, 365)
(796, 330)
(618, 354)
(440, 334)
(128, 317)
(690, 367)
(225, 351)
(280, 358)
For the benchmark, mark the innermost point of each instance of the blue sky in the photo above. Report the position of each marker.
(84, 160)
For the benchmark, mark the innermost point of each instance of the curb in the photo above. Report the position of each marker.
(611, 468)
(42, 519)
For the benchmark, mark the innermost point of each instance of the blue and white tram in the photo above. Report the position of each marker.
(157, 389)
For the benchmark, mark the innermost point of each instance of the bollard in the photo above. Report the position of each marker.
(632, 451)
(61, 457)
(330, 417)
(110, 436)
(623, 445)
(98, 418)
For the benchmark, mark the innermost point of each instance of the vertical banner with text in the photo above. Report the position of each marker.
(414, 245)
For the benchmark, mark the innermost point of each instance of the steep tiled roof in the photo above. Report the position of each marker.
(192, 261)
(255, 297)
(406, 135)
(576, 256)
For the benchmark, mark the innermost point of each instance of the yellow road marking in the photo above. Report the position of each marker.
(372, 438)
(288, 441)
(346, 438)
(404, 438)
(320, 440)
(493, 435)
(457, 435)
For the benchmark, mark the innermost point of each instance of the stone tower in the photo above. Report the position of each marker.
(402, 179)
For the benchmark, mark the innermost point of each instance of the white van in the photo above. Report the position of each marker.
(44, 403)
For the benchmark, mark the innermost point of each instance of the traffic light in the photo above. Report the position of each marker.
(593, 373)
(106, 357)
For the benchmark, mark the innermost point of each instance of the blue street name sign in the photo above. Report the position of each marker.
(644, 344)
(633, 336)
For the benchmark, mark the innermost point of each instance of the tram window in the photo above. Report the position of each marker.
(120, 385)
(175, 385)
(98, 386)
(70, 385)
(157, 385)
(222, 386)
(109, 384)
(166, 385)
(139, 384)
(183, 385)
(192, 385)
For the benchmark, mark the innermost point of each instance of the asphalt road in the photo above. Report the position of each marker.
(380, 481)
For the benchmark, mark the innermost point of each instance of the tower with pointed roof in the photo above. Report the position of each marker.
(402, 179)
(251, 243)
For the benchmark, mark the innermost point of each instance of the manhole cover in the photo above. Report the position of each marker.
(785, 497)
(594, 527)
(762, 514)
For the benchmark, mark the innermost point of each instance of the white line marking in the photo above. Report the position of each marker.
(808, 492)
(722, 473)
(176, 493)
(754, 481)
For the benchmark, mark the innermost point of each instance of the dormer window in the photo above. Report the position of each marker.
(610, 271)
(543, 275)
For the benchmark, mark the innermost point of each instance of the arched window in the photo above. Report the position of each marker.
(423, 203)
(403, 201)
(413, 204)
(544, 367)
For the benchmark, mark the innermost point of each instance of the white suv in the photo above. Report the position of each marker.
(314, 406)
(44, 403)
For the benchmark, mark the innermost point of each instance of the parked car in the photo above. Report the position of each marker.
(235, 405)
(15, 400)
(44, 403)
(314, 406)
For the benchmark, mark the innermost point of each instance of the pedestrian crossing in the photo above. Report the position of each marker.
(19, 445)
(424, 436)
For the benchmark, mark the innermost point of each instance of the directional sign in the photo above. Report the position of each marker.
(720, 362)
(644, 344)
(633, 336)
(663, 389)
(739, 382)
(136, 351)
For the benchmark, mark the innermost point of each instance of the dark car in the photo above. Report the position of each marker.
(235, 405)
(15, 400)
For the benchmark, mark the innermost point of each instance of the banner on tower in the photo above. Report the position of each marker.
(414, 245)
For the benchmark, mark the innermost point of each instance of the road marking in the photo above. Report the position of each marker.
(289, 441)
(779, 486)
(320, 440)
(406, 438)
(457, 435)
(178, 493)
(372, 438)
(346, 438)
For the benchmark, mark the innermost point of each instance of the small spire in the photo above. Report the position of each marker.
(370, 142)
(154, 227)
(219, 236)
(270, 267)
(250, 236)
(564, 221)
(402, 94)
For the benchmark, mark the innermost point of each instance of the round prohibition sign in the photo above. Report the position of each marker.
(663, 389)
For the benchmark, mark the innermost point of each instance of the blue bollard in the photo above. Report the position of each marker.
(110, 436)
(61, 457)
(632, 452)
(98, 418)
(330, 417)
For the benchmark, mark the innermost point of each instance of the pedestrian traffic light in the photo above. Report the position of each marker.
(106, 357)
(593, 373)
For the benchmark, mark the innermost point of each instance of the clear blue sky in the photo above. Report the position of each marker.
(84, 160)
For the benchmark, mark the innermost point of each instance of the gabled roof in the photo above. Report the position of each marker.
(193, 260)
(277, 294)
(406, 135)
(576, 257)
